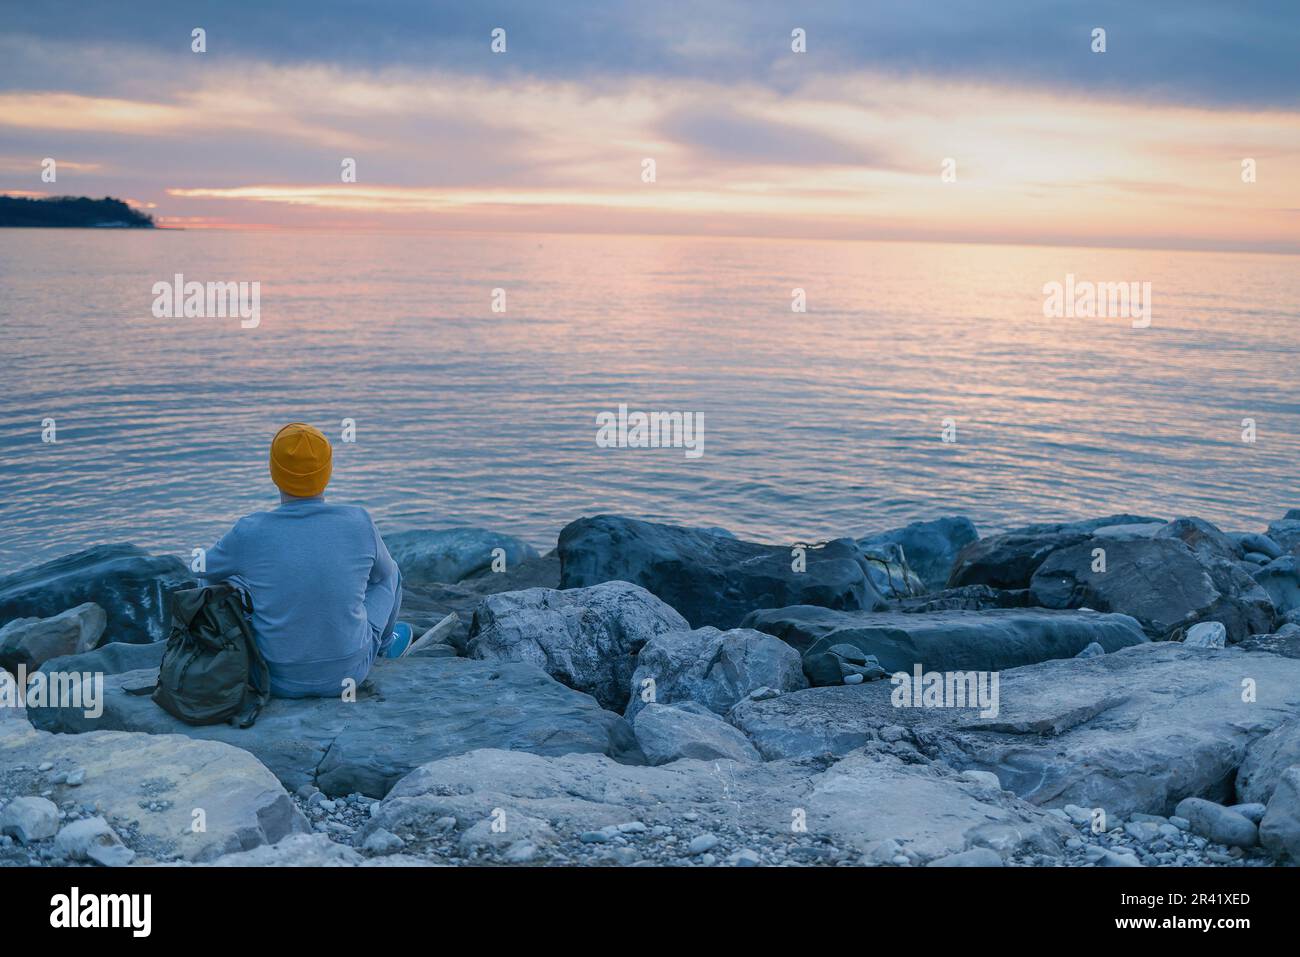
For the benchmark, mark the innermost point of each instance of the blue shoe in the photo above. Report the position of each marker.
(402, 635)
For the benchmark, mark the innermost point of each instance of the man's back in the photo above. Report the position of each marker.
(313, 571)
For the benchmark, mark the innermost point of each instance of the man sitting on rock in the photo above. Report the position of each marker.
(325, 592)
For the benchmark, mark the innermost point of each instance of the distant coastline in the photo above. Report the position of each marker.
(73, 212)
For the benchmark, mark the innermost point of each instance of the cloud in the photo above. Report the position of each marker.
(721, 132)
(1202, 52)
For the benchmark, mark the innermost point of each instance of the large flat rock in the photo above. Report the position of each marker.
(410, 711)
(149, 787)
(930, 810)
(1137, 730)
(987, 640)
(714, 579)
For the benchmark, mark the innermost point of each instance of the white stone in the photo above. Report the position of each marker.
(1206, 634)
(29, 819)
(93, 839)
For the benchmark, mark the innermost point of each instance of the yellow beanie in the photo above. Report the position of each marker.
(301, 460)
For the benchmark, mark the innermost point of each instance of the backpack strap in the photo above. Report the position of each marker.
(259, 683)
(259, 679)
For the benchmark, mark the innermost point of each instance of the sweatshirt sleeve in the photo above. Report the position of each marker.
(222, 559)
(384, 571)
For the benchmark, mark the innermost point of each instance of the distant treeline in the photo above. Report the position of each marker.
(71, 211)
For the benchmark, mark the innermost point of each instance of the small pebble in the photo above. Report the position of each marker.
(702, 843)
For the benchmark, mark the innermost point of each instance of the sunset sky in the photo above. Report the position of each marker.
(1141, 145)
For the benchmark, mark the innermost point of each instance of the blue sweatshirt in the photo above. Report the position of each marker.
(323, 588)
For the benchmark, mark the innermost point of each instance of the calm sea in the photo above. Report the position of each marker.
(816, 424)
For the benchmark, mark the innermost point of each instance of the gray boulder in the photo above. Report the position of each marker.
(1286, 533)
(1279, 831)
(1261, 544)
(1280, 578)
(1133, 731)
(128, 583)
(1265, 762)
(669, 732)
(710, 579)
(587, 638)
(1160, 582)
(1202, 537)
(158, 782)
(1007, 561)
(715, 668)
(930, 548)
(1251, 812)
(453, 554)
(950, 640)
(408, 711)
(1219, 824)
(31, 642)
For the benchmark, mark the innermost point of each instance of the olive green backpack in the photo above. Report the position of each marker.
(212, 670)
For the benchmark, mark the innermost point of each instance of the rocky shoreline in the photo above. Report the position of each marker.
(1121, 691)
